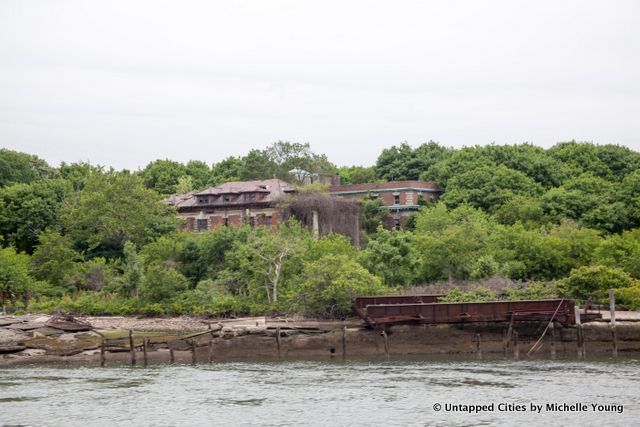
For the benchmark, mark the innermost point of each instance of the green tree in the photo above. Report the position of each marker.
(580, 157)
(163, 175)
(329, 285)
(22, 168)
(78, 173)
(199, 172)
(161, 284)
(229, 169)
(133, 270)
(26, 210)
(448, 242)
(357, 175)
(489, 188)
(594, 281)
(115, 208)
(621, 251)
(15, 281)
(54, 260)
(390, 256)
(401, 163)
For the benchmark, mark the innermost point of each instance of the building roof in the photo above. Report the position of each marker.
(386, 186)
(273, 189)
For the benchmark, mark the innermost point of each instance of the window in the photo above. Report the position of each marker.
(203, 199)
(396, 223)
(249, 196)
(226, 197)
(267, 221)
(201, 224)
(252, 221)
(396, 199)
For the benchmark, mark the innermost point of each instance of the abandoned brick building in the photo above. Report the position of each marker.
(258, 203)
(401, 198)
(232, 203)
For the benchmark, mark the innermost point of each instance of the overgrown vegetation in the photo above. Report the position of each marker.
(558, 222)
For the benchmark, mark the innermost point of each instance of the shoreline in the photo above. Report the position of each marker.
(193, 340)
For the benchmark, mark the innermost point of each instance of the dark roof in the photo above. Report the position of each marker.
(274, 189)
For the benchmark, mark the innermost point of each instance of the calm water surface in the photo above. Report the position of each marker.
(399, 392)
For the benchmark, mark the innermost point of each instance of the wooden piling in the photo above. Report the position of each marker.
(612, 307)
(579, 344)
(478, 346)
(505, 344)
(386, 343)
(552, 326)
(193, 352)
(278, 342)
(172, 357)
(210, 351)
(132, 348)
(344, 342)
(510, 330)
(612, 323)
(103, 351)
(516, 345)
(145, 342)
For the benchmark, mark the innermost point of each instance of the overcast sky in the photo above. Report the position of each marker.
(122, 83)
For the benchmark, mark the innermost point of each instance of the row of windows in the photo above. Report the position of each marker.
(203, 224)
(227, 198)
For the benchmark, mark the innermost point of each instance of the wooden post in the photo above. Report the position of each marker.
(552, 326)
(344, 342)
(505, 344)
(210, 351)
(386, 343)
(612, 307)
(132, 349)
(193, 352)
(172, 357)
(103, 358)
(145, 342)
(478, 346)
(510, 330)
(516, 346)
(578, 331)
(278, 341)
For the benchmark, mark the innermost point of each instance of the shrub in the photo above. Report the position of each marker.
(533, 291)
(162, 284)
(629, 297)
(475, 295)
(593, 282)
(330, 284)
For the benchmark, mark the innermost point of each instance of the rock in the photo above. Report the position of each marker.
(26, 326)
(6, 321)
(46, 332)
(6, 349)
(33, 352)
(69, 326)
(68, 323)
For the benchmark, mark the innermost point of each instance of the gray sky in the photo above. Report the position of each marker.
(122, 83)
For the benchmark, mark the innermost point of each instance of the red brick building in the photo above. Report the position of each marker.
(232, 203)
(401, 198)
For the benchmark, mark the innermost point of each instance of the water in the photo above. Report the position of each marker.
(399, 392)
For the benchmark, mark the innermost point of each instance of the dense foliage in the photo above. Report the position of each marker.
(558, 222)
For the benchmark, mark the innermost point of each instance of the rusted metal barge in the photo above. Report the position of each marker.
(425, 309)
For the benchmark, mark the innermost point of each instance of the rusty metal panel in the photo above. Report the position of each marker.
(498, 311)
(362, 302)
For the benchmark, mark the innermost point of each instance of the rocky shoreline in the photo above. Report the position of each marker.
(41, 339)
